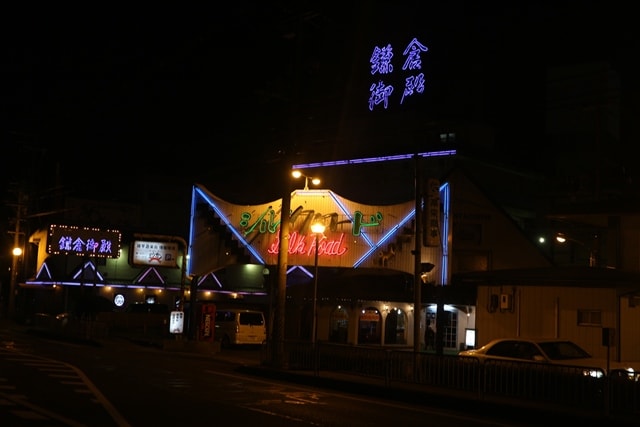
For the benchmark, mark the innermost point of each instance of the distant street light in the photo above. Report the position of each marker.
(317, 229)
(297, 174)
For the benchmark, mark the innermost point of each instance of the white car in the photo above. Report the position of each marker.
(553, 351)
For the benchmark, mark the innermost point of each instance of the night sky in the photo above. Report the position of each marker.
(205, 94)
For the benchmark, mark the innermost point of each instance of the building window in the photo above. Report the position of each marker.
(339, 325)
(368, 328)
(448, 138)
(395, 327)
(450, 335)
(589, 318)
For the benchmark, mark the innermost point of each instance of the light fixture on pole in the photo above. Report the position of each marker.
(593, 250)
(426, 268)
(13, 284)
(297, 174)
(318, 230)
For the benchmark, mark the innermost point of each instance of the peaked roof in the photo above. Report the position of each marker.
(149, 276)
(87, 272)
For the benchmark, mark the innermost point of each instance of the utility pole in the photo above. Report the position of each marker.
(417, 252)
(283, 259)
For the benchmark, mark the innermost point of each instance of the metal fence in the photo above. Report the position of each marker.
(565, 388)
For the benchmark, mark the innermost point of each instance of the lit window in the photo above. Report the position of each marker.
(448, 137)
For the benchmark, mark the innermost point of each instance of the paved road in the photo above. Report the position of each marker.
(25, 396)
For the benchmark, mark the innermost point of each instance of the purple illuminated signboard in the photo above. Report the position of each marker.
(83, 241)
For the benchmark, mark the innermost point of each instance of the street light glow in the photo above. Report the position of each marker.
(317, 228)
(298, 174)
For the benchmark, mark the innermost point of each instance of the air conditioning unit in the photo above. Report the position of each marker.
(506, 301)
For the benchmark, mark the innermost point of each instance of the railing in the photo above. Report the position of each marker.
(565, 388)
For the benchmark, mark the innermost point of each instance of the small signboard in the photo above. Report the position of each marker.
(161, 254)
(176, 322)
(207, 322)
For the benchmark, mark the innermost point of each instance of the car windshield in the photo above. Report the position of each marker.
(563, 350)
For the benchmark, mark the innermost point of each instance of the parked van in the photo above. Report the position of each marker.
(236, 326)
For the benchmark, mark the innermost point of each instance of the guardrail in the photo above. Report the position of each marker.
(565, 388)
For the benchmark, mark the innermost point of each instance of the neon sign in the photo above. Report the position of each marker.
(382, 64)
(355, 234)
(300, 244)
(83, 241)
(269, 221)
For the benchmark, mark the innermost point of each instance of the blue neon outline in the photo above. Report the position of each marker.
(304, 270)
(445, 191)
(374, 159)
(213, 276)
(345, 211)
(147, 272)
(223, 217)
(384, 238)
(44, 267)
(84, 267)
(191, 228)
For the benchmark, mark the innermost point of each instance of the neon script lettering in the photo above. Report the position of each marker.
(268, 221)
(359, 221)
(300, 244)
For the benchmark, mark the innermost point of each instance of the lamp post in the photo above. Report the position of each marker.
(297, 174)
(317, 229)
(17, 252)
(278, 356)
(593, 250)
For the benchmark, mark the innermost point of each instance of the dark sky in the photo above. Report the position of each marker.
(206, 93)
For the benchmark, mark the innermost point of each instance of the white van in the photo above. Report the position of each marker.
(236, 326)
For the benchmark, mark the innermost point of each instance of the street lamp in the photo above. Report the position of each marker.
(283, 259)
(297, 174)
(17, 252)
(317, 229)
(593, 251)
